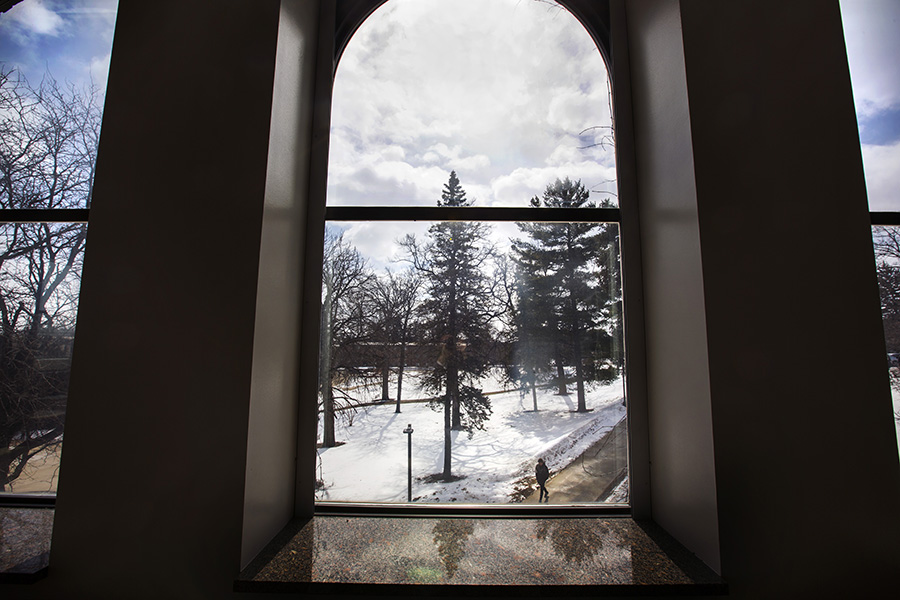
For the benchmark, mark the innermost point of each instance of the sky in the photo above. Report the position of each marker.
(502, 92)
(70, 38)
(872, 37)
(498, 91)
(510, 94)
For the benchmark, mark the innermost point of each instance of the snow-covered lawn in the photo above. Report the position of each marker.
(371, 465)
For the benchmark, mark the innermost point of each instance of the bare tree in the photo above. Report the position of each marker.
(395, 298)
(345, 281)
(47, 158)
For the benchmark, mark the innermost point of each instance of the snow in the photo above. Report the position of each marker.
(371, 464)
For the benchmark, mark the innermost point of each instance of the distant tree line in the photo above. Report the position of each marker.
(548, 314)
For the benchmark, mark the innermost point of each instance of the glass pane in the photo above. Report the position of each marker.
(887, 252)
(55, 58)
(870, 32)
(479, 348)
(507, 93)
(40, 276)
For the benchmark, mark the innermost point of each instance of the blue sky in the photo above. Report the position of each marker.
(872, 36)
(71, 38)
(495, 89)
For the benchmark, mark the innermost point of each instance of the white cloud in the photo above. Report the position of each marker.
(376, 240)
(517, 188)
(36, 18)
(98, 69)
(873, 45)
(451, 159)
(481, 87)
(882, 164)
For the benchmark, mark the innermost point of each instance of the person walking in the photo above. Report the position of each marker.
(542, 474)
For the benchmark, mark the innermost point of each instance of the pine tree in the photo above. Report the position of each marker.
(526, 325)
(456, 314)
(573, 265)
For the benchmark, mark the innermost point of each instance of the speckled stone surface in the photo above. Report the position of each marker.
(576, 555)
(24, 543)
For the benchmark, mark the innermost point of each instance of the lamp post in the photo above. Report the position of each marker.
(409, 431)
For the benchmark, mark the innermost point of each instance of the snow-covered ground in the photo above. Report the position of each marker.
(371, 464)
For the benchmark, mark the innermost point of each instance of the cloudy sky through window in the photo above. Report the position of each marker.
(69, 38)
(508, 93)
(499, 90)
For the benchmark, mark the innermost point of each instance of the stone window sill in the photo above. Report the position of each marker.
(24, 543)
(610, 556)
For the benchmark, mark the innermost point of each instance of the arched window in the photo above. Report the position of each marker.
(472, 305)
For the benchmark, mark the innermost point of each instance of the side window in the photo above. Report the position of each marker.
(471, 293)
(872, 46)
(55, 57)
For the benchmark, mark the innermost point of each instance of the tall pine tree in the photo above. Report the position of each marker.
(572, 265)
(456, 314)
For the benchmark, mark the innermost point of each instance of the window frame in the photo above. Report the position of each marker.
(344, 17)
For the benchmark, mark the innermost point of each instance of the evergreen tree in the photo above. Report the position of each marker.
(573, 266)
(456, 314)
(526, 325)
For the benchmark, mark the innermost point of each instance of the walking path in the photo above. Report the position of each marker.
(593, 475)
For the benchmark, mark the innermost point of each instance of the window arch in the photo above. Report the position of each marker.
(362, 231)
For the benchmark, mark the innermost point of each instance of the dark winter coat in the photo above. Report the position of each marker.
(541, 472)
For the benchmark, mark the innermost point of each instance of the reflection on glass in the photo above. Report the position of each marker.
(507, 93)
(474, 551)
(450, 537)
(574, 540)
(887, 252)
(500, 343)
(40, 273)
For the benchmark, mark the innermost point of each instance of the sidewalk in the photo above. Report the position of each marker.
(590, 477)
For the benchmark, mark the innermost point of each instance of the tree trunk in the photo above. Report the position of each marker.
(325, 375)
(560, 372)
(576, 352)
(452, 359)
(385, 374)
(400, 372)
(328, 440)
(534, 389)
(453, 392)
(446, 474)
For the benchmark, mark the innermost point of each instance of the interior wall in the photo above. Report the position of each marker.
(274, 393)
(682, 467)
(807, 471)
(152, 479)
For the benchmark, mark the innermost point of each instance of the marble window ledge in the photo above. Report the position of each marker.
(24, 543)
(611, 556)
